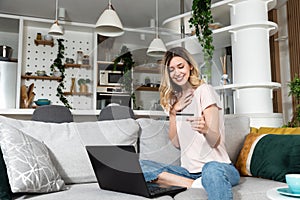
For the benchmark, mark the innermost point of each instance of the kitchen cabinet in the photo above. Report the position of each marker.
(109, 88)
(146, 79)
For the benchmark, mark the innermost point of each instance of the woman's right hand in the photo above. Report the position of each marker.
(183, 101)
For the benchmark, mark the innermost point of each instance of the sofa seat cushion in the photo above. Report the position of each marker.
(88, 191)
(66, 142)
(249, 188)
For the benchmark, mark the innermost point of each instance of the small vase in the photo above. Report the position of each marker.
(224, 79)
(83, 88)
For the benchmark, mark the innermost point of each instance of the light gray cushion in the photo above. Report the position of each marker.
(155, 144)
(248, 189)
(28, 163)
(90, 191)
(67, 141)
(236, 129)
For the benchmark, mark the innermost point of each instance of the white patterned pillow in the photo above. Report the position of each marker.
(29, 167)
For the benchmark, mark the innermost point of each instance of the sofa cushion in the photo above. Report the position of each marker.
(29, 166)
(87, 191)
(249, 188)
(271, 130)
(67, 141)
(270, 156)
(5, 192)
(236, 129)
(154, 142)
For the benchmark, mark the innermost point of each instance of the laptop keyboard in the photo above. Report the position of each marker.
(155, 189)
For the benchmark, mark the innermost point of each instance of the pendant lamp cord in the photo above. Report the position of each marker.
(110, 5)
(156, 27)
(56, 5)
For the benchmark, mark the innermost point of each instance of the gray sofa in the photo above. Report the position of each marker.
(66, 145)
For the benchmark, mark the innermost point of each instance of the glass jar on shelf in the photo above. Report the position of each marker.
(79, 57)
(86, 60)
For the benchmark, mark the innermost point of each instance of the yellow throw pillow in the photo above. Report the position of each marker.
(244, 156)
(268, 130)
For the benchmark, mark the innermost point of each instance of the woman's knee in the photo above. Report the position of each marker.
(219, 172)
(211, 169)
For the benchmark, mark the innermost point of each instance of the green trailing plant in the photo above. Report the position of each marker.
(126, 58)
(200, 20)
(59, 66)
(294, 86)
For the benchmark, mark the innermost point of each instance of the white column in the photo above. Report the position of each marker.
(251, 55)
(251, 61)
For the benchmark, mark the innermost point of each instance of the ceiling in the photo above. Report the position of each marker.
(133, 13)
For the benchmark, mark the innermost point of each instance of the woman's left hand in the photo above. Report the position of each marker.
(198, 124)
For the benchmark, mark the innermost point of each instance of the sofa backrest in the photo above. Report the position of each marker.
(66, 142)
(155, 144)
(236, 129)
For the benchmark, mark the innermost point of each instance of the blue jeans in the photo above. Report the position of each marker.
(217, 178)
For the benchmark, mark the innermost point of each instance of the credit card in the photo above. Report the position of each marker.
(184, 114)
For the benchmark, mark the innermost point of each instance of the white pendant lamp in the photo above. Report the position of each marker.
(157, 47)
(109, 23)
(56, 29)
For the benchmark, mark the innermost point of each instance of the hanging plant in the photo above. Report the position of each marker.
(294, 86)
(126, 58)
(200, 20)
(58, 65)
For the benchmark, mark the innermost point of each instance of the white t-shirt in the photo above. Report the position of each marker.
(195, 150)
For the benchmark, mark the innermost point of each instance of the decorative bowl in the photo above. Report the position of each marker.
(293, 181)
(42, 102)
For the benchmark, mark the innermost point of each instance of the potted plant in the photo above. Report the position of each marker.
(200, 20)
(294, 86)
(58, 66)
(83, 84)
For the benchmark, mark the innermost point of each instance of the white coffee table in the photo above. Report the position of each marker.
(274, 195)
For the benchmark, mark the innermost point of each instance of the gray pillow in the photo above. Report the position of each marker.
(29, 166)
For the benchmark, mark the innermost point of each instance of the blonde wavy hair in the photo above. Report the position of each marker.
(169, 91)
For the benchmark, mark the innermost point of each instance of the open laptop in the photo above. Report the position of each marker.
(117, 168)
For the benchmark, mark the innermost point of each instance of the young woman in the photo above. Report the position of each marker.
(204, 160)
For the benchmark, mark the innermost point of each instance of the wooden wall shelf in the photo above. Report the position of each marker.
(144, 88)
(44, 42)
(42, 77)
(78, 93)
(68, 65)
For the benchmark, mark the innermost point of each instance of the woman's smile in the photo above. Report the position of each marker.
(179, 70)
